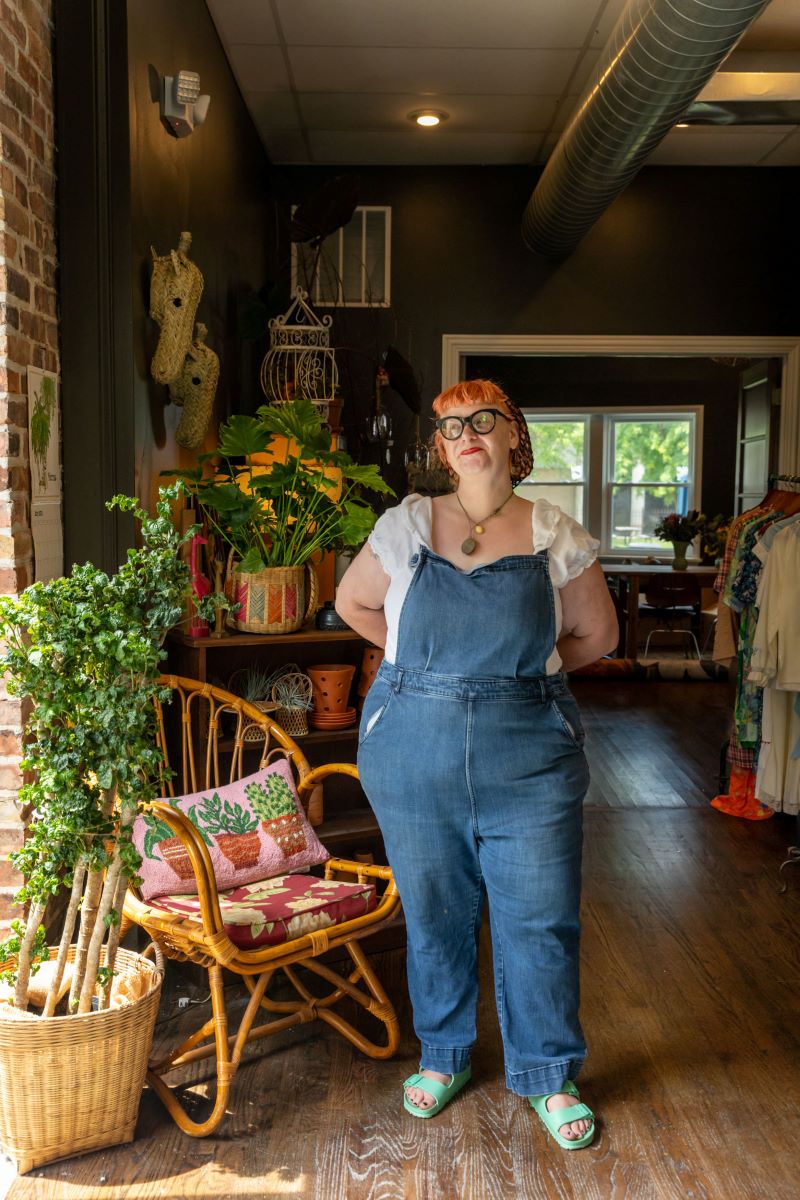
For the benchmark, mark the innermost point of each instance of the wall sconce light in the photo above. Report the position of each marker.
(182, 106)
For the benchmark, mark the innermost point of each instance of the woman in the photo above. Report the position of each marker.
(470, 751)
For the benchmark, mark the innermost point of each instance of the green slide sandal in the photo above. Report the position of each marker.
(553, 1121)
(442, 1093)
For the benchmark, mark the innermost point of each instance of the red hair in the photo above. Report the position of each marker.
(489, 395)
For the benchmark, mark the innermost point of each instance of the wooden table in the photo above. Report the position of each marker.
(631, 576)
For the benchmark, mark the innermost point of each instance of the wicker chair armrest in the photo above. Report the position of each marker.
(309, 781)
(363, 870)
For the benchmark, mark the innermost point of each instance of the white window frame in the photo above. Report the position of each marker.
(365, 301)
(597, 492)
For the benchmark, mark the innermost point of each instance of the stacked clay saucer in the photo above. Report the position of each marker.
(340, 720)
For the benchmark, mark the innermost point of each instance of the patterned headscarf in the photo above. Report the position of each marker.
(488, 394)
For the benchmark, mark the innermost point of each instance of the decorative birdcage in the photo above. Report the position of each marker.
(300, 361)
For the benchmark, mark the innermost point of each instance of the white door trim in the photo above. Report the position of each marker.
(456, 346)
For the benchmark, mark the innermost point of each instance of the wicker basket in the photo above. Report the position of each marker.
(293, 721)
(275, 600)
(69, 1085)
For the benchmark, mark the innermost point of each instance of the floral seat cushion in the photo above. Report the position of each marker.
(276, 910)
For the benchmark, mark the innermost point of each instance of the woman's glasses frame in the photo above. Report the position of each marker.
(470, 420)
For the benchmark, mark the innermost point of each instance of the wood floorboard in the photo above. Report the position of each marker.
(691, 980)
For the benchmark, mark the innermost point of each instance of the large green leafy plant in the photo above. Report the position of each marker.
(83, 653)
(305, 501)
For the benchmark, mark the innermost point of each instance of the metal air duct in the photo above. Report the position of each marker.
(659, 57)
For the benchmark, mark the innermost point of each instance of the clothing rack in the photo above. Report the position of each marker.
(793, 852)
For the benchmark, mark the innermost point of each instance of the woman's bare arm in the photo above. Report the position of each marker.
(589, 621)
(360, 597)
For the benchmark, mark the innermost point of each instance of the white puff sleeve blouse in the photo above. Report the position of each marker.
(400, 532)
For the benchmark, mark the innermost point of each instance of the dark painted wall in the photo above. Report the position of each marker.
(682, 251)
(214, 183)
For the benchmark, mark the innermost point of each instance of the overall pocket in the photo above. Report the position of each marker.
(569, 718)
(375, 705)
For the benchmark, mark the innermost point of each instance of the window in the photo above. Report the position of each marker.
(353, 267)
(617, 472)
(560, 454)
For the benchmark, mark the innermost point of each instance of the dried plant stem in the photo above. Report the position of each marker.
(66, 936)
(112, 883)
(91, 901)
(35, 917)
(113, 937)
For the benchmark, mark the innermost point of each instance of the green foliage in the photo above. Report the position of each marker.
(44, 407)
(272, 798)
(212, 816)
(661, 448)
(305, 503)
(10, 948)
(84, 652)
(644, 451)
(558, 446)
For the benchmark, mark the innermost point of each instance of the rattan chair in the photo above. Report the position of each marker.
(190, 732)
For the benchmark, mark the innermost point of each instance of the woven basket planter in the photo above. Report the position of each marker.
(293, 719)
(70, 1085)
(275, 600)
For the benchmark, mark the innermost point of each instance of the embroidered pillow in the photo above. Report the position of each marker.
(253, 829)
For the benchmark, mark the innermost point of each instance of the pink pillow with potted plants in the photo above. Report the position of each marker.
(253, 829)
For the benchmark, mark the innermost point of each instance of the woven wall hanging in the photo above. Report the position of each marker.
(195, 389)
(175, 291)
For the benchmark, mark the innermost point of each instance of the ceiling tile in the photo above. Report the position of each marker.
(778, 28)
(259, 68)
(364, 149)
(431, 72)
(539, 24)
(243, 21)
(609, 15)
(728, 147)
(273, 110)
(343, 110)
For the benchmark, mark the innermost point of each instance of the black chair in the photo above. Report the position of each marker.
(671, 600)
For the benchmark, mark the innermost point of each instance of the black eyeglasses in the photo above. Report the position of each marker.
(481, 422)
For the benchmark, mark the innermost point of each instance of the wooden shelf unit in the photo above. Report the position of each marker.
(349, 821)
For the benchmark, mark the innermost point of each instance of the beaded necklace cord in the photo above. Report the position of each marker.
(469, 544)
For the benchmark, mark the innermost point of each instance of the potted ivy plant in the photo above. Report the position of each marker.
(279, 497)
(82, 653)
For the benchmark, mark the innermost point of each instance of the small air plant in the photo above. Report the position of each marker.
(292, 688)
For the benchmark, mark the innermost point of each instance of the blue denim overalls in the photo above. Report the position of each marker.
(471, 758)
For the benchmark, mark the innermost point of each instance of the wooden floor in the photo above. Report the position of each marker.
(691, 987)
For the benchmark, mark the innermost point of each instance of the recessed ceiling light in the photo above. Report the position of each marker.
(427, 117)
(682, 125)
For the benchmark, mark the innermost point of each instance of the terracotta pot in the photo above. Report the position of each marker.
(241, 849)
(288, 832)
(175, 855)
(331, 683)
(370, 662)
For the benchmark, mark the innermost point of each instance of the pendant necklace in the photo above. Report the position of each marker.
(469, 544)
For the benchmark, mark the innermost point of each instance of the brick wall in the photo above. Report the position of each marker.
(28, 328)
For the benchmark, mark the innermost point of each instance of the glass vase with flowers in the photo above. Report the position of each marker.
(680, 529)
